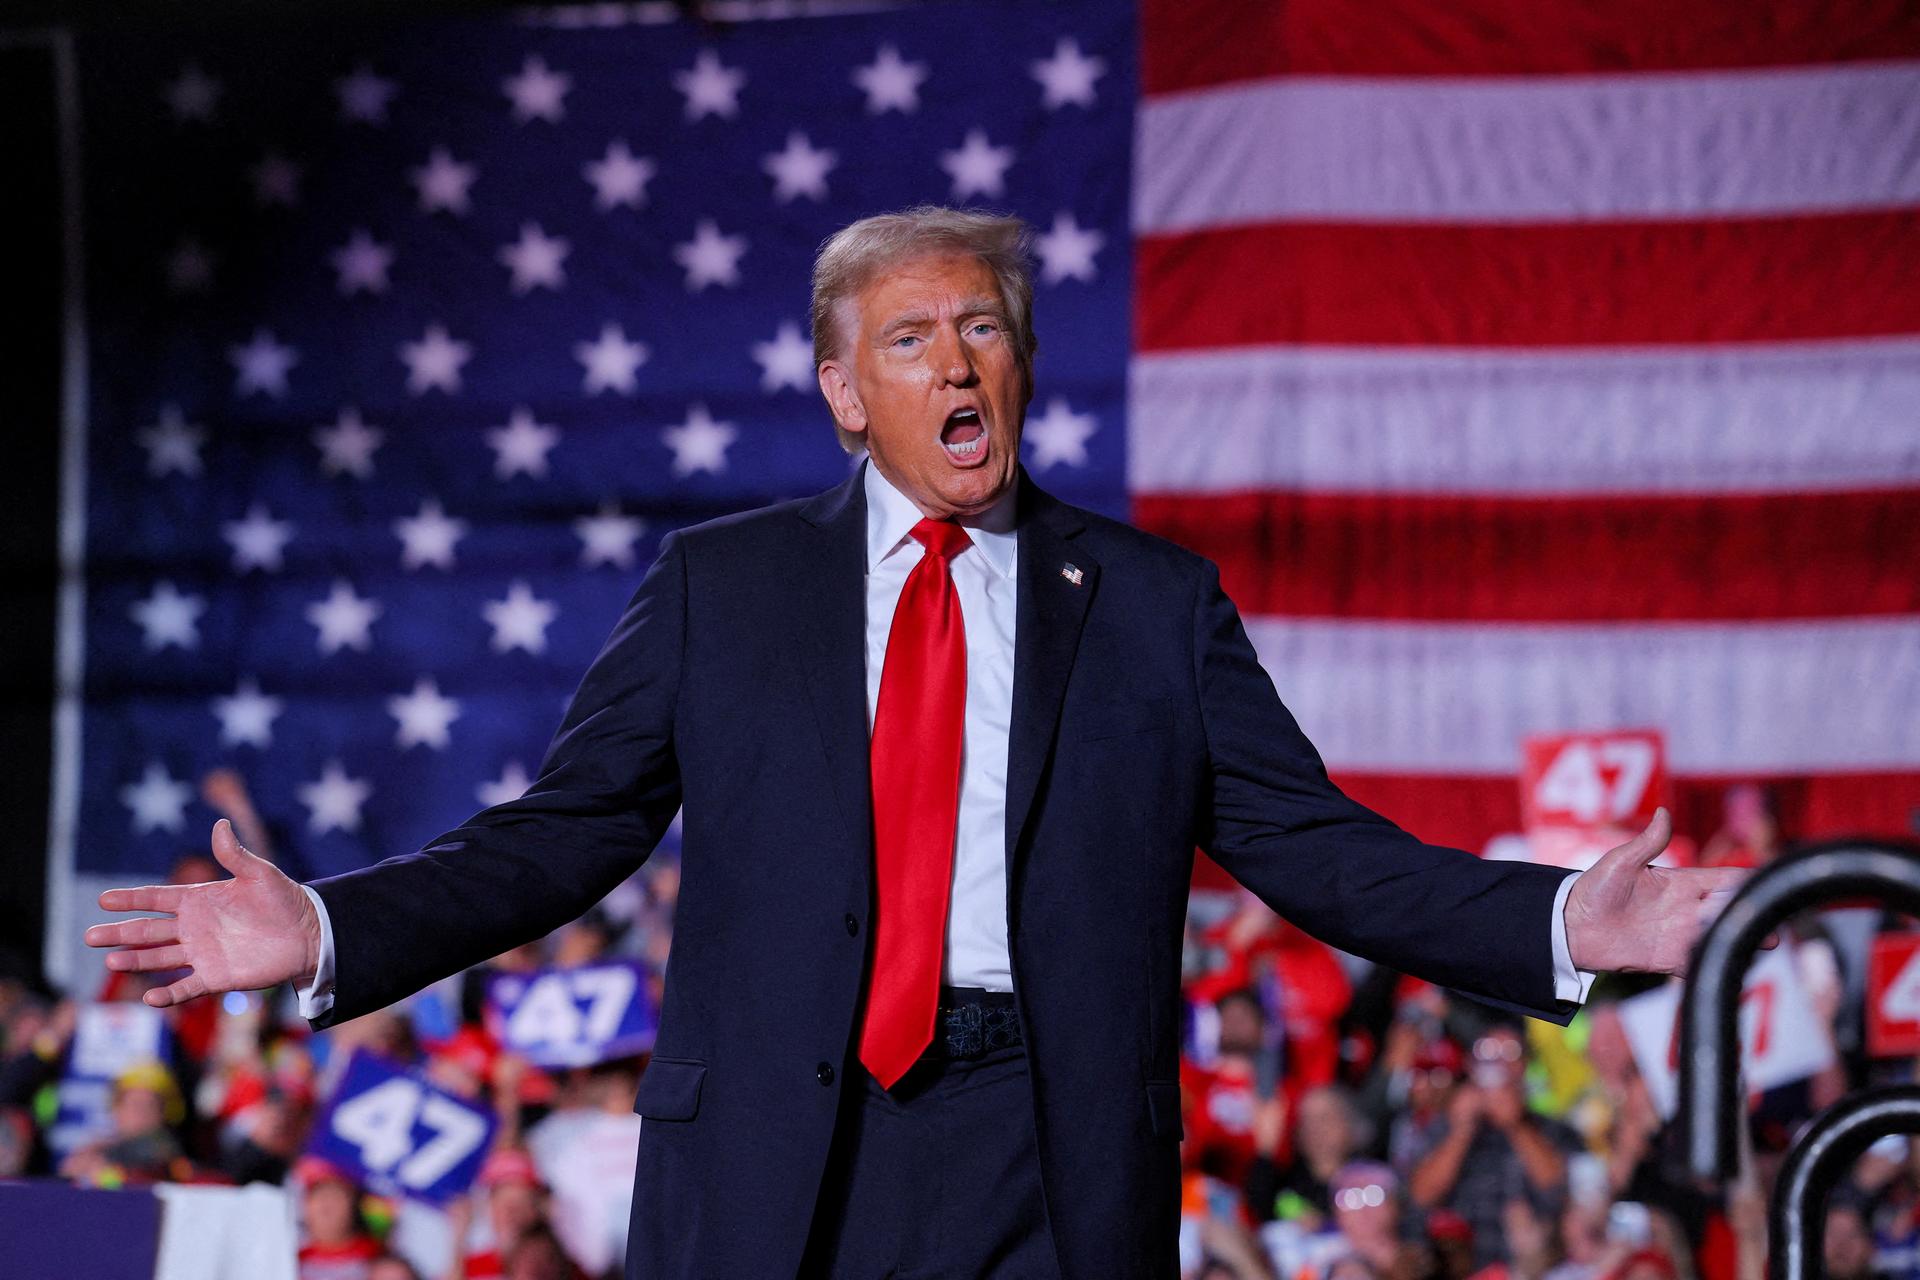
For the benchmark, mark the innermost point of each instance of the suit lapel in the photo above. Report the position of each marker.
(829, 616)
(1050, 609)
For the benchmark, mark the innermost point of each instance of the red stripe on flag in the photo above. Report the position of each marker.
(1567, 559)
(1189, 46)
(1553, 284)
(1467, 812)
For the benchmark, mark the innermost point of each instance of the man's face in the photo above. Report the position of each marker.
(930, 375)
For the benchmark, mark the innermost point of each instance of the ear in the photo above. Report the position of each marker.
(844, 402)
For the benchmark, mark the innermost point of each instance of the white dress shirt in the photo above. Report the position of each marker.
(985, 578)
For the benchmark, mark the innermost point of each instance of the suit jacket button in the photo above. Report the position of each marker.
(853, 925)
(824, 1073)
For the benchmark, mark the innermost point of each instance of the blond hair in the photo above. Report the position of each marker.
(857, 254)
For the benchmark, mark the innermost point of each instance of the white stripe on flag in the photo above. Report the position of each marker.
(1642, 145)
(1811, 416)
(1441, 698)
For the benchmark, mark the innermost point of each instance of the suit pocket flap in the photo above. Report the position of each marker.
(670, 1089)
(1163, 1109)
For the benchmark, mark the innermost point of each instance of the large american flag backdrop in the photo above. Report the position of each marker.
(1524, 367)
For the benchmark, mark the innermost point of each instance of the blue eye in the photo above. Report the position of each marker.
(904, 339)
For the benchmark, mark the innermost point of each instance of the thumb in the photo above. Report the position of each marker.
(1646, 846)
(229, 852)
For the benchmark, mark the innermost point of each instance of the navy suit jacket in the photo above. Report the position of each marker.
(1143, 726)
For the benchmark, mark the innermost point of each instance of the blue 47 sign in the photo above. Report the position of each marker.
(574, 1017)
(400, 1135)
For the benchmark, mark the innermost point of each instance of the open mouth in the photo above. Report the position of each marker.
(964, 434)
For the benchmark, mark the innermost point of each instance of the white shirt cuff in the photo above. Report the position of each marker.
(317, 999)
(1569, 983)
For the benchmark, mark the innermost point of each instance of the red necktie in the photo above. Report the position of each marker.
(915, 766)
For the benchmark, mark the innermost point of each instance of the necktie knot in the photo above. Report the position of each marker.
(941, 538)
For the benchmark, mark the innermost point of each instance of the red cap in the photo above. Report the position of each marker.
(509, 1164)
(310, 1169)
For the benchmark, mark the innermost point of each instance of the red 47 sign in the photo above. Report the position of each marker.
(1592, 781)
(1893, 996)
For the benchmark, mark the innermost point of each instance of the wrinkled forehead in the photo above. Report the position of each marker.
(929, 285)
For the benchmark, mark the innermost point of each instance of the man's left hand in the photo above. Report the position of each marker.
(1625, 916)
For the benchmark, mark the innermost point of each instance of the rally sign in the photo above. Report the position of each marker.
(1581, 794)
(107, 1039)
(1893, 996)
(1782, 1038)
(1588, 781)
(573, 1017)
(400, 1135)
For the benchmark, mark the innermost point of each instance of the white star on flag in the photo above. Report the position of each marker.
(610, 361)
(1068, 76)
(193, 94)
(443, 182)
(710, 257)
(889, 83)
(619, 177)
(364, 96)
(520, 621)
(537, 91)
(427, 537)
(172, 444)
(1059, 436)
(1066, 252)
(800, 170)
(167, 616)
(977, 167)
(158, 800)
(347, 445)
(608, 537)
(276, 180)
(361, 264)
(786, 361)
(246, 718)
(344, 619)
(435, 361)
(189, 267)
(424, 716)
(700, 443)
(262, 365)
(521, 445)
(711, 88)
(535, 258)
(511, 785)
(333, 800)
(258, 541)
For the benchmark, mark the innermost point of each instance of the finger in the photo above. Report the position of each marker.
(176, 993)
(147, 959)
(1646, 846)
(229, 852)
(146, 932)
(149, 897)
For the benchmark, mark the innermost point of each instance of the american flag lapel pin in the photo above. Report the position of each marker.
(1071, 572)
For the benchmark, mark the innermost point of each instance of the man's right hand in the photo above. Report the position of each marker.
(254, 931)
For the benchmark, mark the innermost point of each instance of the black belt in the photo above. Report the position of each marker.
(972, 1022)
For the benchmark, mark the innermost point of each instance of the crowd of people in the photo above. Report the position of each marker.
(1341, 1122)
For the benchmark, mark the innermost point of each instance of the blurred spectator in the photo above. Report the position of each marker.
(537, 1255)
(1488, 1148)
(389, 1266)
(1326, 1136)
(516, 1203)
(336, 1244)
(145, 1106)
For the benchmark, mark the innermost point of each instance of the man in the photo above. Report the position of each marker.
(944, 747)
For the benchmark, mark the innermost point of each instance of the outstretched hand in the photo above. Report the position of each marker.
(253, 931)
(1628, 917)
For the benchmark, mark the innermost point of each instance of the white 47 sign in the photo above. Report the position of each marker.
(401, 1135)
(1893, 996)
(573, 1017)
